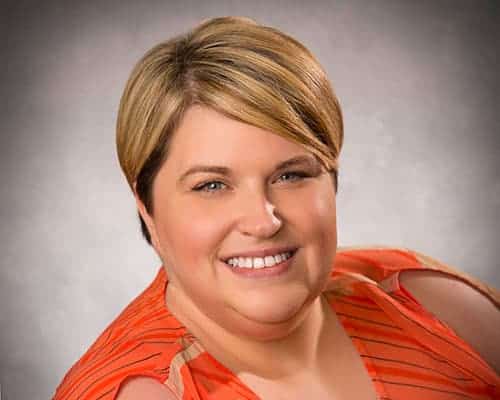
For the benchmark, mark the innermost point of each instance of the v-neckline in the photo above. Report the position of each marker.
(362, 362)
(367, 365)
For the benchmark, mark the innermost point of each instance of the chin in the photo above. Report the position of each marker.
(269, 323)
(264, 331)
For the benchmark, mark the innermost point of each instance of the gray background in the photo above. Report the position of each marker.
(419, 85)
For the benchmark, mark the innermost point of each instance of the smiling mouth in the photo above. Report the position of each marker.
(278, 268)
(260, 262)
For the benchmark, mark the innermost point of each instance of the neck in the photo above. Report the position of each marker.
(279, 358)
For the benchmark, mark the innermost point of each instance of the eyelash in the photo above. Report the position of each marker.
(201, 187)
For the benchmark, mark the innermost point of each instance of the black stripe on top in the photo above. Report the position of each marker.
(369, 321)
(423, 387)
(415, 365)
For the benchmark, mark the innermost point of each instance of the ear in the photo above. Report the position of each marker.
(148, 220)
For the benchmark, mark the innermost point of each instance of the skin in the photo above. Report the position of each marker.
(284, 332)
(255, 207)
(470, 314)
(278, 335)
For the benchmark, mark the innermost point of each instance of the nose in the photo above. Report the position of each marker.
(258, 216)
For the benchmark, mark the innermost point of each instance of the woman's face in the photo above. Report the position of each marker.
(245, 203)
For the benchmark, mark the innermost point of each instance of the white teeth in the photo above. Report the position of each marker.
(269, 261)
(258, 262)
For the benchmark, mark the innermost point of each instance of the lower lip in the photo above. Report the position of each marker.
(275, 270)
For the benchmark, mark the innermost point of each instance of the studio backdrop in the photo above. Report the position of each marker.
(419, 86)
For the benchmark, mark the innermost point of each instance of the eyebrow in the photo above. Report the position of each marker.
(304, 159)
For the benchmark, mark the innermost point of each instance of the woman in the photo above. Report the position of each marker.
(229, 137)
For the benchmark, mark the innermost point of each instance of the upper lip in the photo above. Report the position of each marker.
(270, 251)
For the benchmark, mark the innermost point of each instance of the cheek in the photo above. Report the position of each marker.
(319, 228)
(315, 211)
(326, 215)
(189, 236)
(326, 221)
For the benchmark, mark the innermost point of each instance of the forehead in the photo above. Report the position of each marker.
(206, 136)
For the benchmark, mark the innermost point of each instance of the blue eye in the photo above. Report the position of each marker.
(295, 174)
(216, 186)
(209, 187)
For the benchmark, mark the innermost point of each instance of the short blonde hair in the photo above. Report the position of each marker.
(249, 72)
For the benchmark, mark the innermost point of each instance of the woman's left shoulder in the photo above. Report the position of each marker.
(470, 312)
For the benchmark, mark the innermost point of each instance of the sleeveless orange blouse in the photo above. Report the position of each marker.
(408, 353)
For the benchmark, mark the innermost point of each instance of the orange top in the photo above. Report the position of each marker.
(408, 353)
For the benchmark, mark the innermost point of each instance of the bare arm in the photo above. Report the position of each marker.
(145, 388)
(472, 315)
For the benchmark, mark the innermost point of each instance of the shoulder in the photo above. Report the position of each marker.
(469, 312)
(465, 304)
(141, 341)
(375, 262)
(381, 262)
(145, 388)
